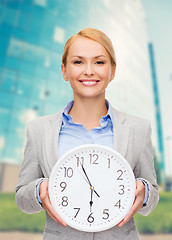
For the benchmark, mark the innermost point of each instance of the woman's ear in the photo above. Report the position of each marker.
(63, 68)
(113, 73)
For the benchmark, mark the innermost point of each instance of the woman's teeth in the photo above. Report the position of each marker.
(89, 83)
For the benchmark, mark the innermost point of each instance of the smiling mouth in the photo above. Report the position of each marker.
(89, 82)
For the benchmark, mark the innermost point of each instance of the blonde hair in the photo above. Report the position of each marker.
(95, 35)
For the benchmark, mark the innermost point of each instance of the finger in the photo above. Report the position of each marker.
(127, 217)
(46, 204)
(55, 214)
(51, 212)
(56, 218)
(138, 202)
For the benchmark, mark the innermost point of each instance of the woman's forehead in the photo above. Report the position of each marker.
(85, 46)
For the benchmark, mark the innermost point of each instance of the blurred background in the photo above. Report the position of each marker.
(32, 37)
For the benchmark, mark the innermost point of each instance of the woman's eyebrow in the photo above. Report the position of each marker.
(77, 56)
(100, 56)
(85, 57)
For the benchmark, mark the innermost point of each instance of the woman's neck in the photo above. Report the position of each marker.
(88, 111)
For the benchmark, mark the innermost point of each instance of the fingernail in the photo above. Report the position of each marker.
(120, 225)
(64, 224)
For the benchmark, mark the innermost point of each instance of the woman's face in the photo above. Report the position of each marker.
(88, 68)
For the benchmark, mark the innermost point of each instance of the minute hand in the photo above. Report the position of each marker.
(88, 179)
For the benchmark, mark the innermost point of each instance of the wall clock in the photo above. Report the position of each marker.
(92, 188)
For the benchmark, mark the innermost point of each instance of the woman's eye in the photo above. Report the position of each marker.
(99, 62)
(77, 62)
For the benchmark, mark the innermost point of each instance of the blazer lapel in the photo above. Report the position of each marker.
(51, 130)
(121, 131)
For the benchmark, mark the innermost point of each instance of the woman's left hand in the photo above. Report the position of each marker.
(138, 202)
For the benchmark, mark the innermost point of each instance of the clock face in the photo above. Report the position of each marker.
(92, 188)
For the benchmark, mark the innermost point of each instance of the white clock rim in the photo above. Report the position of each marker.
(63, 158)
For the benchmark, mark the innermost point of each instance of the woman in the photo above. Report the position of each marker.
(89, 64)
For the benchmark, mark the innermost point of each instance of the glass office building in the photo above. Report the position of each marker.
(32, 36)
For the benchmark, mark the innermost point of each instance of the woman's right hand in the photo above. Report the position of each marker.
(46, 204)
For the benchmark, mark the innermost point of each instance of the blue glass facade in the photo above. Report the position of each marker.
(158, 112)
(32, 36)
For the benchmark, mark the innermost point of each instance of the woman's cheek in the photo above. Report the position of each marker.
(75, 72)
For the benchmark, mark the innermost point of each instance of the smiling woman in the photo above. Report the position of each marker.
(88, 68)
(89, 64)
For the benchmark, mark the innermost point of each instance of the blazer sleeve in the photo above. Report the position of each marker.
(29, 177)
(147, 172)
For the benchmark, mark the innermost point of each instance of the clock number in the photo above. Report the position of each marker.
(118, 204)
(94, 158)
(90, 218)
(65, 201)
(121, 172)
(68, 172)
(105, 212)
(78, 209)
(122, 189)
(80, 161)
(108, 162)
(63, 185)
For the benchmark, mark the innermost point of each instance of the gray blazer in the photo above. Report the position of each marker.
(132, 138)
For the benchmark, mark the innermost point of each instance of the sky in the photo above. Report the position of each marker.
(159, 26)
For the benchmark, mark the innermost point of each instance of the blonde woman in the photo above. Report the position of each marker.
(89, 64)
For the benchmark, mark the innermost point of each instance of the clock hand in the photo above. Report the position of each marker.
(88, 179)
(86, 174)
(91, 202)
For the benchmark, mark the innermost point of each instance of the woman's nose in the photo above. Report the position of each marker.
(89, 70)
